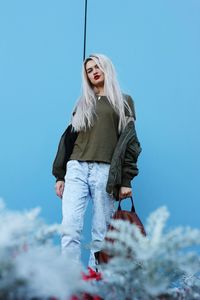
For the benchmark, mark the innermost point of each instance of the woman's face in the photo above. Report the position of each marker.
(95, 75)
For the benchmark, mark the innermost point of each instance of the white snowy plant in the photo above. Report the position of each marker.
(157, 266)
(31, 266)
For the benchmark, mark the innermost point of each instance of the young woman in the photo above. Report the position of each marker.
(99, 150)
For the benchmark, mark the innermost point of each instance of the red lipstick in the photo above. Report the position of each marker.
(96, 77)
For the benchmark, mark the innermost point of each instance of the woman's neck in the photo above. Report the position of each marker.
(99, 91)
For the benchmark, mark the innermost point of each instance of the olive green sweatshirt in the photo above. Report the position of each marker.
(98, 143)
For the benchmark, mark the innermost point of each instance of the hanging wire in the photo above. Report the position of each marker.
(85, 30)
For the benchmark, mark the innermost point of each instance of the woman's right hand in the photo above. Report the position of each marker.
(59, 187)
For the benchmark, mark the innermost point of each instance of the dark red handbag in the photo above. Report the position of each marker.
(132, 217)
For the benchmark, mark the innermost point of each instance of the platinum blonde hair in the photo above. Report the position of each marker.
(83, 117)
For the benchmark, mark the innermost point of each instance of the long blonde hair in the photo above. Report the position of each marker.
(85, 108)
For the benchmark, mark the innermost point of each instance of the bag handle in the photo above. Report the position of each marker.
(132, 208)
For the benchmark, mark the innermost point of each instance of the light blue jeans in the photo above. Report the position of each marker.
(85, 179)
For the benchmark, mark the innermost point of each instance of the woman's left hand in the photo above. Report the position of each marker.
(125, 192)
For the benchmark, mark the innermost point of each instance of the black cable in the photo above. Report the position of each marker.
(85, 27)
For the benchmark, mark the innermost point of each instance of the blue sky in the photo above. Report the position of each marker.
(155, 47)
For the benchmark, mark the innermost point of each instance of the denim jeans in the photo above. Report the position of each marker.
(85, 179)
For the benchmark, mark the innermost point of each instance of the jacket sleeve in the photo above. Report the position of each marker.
(64, 151)
(132, 107)
(129, 167)
(133, 150)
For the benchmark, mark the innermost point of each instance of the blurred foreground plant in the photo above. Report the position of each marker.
(158, 266)
(30, 265)
(153, 267)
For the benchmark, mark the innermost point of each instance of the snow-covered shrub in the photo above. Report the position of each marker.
(153, 267)
(158, 266)
(30, 264)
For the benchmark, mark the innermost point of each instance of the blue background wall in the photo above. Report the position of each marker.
(155, 47)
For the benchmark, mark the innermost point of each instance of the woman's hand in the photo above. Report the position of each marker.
(125, 192)
(59, 187)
